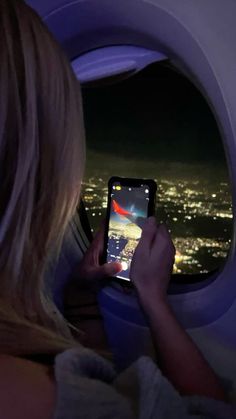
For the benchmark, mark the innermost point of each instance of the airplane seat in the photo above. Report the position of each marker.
(75, 244)
(198, 38)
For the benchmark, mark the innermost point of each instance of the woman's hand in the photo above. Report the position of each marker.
(152, 263)
(90, 268)
(151, 269)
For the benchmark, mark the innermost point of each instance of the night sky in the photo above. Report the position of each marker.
(157, 114)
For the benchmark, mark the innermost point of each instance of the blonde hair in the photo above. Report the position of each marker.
(42, 156)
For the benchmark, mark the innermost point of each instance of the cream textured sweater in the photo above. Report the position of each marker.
(89, 388)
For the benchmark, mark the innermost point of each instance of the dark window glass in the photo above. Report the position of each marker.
(157, 125)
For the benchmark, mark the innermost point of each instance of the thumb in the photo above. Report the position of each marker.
(110, 269)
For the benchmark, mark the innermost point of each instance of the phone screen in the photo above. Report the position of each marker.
(128, 211)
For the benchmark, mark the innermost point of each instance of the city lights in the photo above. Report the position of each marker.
(200, 220)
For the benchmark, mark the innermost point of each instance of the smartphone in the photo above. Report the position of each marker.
(130, 202)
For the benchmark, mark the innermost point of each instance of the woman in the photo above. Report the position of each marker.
(42, 152)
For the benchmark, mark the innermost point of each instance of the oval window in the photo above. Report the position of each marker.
(157, 125)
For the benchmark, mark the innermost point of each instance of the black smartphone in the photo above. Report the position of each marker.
(130, 202)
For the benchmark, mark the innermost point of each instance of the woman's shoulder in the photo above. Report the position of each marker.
(27, 389)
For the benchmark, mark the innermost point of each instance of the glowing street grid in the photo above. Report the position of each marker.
(199, 217)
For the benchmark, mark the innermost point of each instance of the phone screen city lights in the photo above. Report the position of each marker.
(128, 211)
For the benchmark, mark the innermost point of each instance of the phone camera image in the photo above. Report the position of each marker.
(128, 212)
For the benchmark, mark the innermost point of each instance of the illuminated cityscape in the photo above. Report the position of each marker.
(197, 210)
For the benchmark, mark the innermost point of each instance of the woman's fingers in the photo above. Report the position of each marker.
(161, 237)
(147, 237)
(153, 261)
(107, 270)
(111, 269)
(95, 251)
(99, 241)
(163, 242)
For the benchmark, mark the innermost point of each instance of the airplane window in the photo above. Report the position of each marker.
(156, 124)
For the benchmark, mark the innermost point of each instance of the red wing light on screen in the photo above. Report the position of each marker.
(121, 211)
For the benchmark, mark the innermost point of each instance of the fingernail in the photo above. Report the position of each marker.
(113, 268)
(117, 267)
